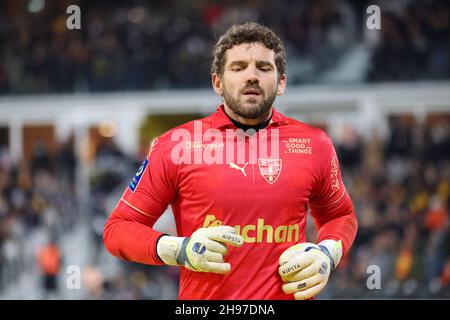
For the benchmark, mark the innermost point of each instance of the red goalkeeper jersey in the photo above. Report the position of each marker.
(263, 184)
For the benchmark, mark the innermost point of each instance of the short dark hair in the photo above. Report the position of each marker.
(247, 33)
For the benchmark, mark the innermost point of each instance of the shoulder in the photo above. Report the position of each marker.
(184, 132)
(318, 138)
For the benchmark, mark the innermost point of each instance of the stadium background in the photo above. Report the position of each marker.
(79, 109)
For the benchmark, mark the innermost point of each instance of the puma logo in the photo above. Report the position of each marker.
(235, 166)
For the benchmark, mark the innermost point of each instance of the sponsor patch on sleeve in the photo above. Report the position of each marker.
(137, 177)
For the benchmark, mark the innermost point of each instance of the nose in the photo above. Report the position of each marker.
(252, 75)
(252, 81)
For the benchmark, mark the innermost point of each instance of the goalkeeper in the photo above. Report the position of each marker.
(240, 220)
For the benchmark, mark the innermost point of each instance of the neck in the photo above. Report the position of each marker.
(245, 126)
(245, 121)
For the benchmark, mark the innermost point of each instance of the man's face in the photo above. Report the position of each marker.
(250, 81)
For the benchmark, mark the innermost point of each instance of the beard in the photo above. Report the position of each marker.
(254, 109)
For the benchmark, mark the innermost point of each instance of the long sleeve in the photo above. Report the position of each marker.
(331, 206)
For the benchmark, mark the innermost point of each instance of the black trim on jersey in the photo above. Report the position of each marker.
(246, 127)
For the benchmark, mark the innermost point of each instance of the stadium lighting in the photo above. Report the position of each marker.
(107, 129)
(35, 6)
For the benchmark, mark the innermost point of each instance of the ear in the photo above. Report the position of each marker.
(217, 84)
(281, 85)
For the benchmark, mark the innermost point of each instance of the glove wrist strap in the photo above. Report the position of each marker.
(182, 257)
(333, 249)
(168, 249)
(327, 253)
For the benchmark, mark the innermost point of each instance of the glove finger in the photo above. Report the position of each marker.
(235, 240)
(316, 267)
(296, 264)
(218, 229)
(215, 246)
(225, 234)
(213, 256)
(309, 293)
(292, 287)
(290, 252)
(216, 267)
(203, 263)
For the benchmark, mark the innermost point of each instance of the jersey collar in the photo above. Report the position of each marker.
(220, 119)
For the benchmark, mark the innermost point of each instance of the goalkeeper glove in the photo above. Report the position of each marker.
(305, 267)
(203, 251)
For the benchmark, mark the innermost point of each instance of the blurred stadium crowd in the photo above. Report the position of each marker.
(401, 190)
(38, 209)
(140, 45)
(36, 199)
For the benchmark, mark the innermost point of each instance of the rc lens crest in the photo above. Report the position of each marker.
(270, 169)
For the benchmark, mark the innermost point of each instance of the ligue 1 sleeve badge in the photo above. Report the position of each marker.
(134, 183)
(270, 169)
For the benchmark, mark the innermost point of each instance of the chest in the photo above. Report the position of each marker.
(269, 178)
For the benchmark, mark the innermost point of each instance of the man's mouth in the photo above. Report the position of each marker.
(252, 92)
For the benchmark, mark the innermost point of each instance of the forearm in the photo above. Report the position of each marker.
(336, 222)
(128, 235)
